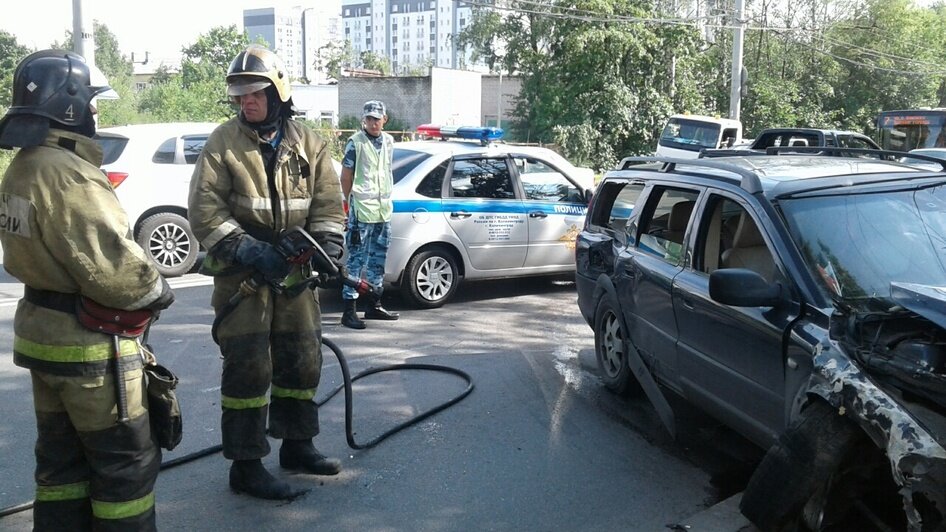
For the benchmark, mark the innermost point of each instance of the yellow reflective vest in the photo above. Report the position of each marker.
(372, 181)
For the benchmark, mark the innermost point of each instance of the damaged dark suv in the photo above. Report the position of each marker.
(799, 299)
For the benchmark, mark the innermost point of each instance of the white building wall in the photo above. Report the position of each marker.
(455, 97)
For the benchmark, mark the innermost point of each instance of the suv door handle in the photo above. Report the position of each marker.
(460, 214)
(538, 214)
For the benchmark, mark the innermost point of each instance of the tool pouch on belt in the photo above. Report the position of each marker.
(163, 408)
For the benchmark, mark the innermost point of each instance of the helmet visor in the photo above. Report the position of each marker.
(99, 85)
(247, 85)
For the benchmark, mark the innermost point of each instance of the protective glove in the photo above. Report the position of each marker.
(263, 257)
(164, 300)
(333, 244)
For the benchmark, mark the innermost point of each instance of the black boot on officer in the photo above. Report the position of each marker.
(250, 477)
(350, 315)
(377, 312)
(302, 456)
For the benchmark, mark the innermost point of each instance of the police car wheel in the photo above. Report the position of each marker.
(168, 241)
(432, 278)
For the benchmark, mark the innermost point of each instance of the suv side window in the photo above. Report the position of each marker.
(541, 182)
(614, 204)
(166, 152)
(729, 237)
(193, 145)
(481, 178)
(666, 217)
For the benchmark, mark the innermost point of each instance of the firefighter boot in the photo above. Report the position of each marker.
(250, 477)
(301, 455)
(377, 312)
(350, 315)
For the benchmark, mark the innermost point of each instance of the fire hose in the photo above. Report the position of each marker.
(309, 281)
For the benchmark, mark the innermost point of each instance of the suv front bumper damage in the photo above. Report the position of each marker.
(917, 458)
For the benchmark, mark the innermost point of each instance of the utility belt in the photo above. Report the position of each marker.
(92, 315)
(165, 412)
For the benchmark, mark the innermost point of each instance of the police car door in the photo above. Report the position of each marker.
(555, 210)
(483, 210)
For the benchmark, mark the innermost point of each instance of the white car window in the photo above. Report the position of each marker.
(481, 178)
(541, 182)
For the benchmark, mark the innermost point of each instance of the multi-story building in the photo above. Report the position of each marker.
(296, 34)
(409, 33)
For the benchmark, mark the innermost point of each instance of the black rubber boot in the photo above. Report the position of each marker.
(377, 312)
(350, 315)
(301, 455)
(250, 477)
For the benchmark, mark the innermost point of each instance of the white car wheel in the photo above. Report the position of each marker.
(168, 241)
(432, 277)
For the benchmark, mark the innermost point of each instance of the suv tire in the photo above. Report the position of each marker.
(817, 473)
(168, 241)
(611, 347)
(432, 277)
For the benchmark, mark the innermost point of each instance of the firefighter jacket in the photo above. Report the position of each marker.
(231, 193)
(373, 181)
(63, 230)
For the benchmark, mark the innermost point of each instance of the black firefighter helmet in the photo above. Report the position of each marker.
(51, 85)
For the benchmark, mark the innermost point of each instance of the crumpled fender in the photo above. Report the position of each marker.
(917, 460)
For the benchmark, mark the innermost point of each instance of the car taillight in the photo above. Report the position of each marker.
(116, 178)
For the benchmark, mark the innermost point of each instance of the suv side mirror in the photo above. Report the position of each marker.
(740, 287)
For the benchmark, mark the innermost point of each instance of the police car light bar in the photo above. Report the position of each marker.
(482, 134)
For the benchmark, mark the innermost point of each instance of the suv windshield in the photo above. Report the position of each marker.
(887, 236)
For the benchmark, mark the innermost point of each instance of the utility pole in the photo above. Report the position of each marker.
(739, 30)
(83, 42)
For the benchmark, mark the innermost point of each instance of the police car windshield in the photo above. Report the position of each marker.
(895, 235)
(405, 161)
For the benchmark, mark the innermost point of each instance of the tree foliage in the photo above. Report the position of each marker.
(198, 92)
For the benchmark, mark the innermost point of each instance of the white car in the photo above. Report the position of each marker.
(480, 211)
(150, 166)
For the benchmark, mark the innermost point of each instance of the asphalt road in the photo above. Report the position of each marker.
(538, 445)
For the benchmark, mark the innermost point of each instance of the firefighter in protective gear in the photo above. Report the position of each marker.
(64, 235)
(261, 173)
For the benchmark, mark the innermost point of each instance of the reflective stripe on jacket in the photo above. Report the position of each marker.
(63, 229)
(372, 181)
(230, 192)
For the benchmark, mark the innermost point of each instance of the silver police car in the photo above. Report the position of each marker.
(480, 210)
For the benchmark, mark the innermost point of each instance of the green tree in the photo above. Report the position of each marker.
(11, 53)
(599, 86)
(198, 92)
(335, 57)
(375, 61)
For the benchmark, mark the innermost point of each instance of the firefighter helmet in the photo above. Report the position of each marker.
(51, 85)
(256, 68)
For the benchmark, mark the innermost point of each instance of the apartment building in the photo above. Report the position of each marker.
(296, 34)
(410, 33)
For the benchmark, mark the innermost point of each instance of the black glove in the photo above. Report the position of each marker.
(263, 257)
(332, 243)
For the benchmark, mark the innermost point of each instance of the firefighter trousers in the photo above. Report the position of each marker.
(269, 343)
(92, 472)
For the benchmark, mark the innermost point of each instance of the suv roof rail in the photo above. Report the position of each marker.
(827, 151)
(749, 181)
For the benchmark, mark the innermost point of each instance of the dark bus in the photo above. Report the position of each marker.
(912, 128)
